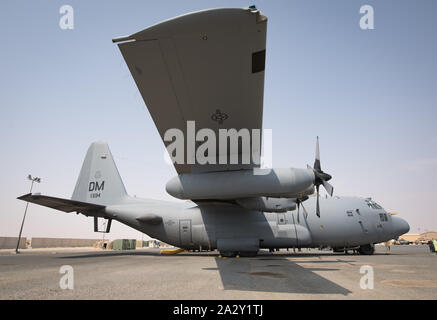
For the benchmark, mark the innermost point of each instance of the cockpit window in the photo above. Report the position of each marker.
(383, 217)
(372, 204)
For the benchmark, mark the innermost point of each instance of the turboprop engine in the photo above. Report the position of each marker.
(229, 185)
(255, 189)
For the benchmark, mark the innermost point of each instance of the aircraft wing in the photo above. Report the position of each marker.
(65, 205)
(207, 67)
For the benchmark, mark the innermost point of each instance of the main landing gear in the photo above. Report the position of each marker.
(364, 249)
(367, 249)
(231, 254)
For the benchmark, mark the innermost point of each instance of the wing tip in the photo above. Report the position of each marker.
(24, 196)
(120, 39)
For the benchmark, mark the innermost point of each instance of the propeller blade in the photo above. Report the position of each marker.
(320, 177)
(305, 211)
(298, 207)
(328, 187)
(317, 166)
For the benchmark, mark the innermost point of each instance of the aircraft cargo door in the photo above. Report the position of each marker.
(185, 232)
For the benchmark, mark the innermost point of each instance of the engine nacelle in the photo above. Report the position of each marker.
(229, 185)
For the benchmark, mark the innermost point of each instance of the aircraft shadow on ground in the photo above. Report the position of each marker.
(264, 273)
(276, 275)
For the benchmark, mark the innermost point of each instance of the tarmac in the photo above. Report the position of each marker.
(406, 272)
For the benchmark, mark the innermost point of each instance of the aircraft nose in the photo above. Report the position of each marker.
(400, 226)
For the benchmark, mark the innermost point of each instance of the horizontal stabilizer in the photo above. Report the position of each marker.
(65, 205)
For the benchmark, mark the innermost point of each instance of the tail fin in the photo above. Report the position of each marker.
(99, 181)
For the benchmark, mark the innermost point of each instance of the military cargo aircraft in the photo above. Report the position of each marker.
(208, 67)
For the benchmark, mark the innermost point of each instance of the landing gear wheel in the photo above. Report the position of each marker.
(228, 254)
(367, 249)
(238, 254)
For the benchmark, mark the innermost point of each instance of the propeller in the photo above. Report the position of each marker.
(298, 203)
(321, 178)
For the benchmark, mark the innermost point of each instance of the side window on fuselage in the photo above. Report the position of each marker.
(383, 217)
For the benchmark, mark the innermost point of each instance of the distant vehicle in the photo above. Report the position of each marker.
(403, 242)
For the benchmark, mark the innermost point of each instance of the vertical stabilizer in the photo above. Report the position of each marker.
(99, 181)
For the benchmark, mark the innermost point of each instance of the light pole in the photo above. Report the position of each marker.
(33, 179)
(103, 238)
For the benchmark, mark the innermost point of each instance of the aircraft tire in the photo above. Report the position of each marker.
(228, 254)
(367, 249)
(231, 254)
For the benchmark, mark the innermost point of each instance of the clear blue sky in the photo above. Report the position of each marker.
(370, 95)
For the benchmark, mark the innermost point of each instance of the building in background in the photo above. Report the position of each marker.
(417, 238)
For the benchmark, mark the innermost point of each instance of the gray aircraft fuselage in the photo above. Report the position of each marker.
(345, 222)
(226, 225)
